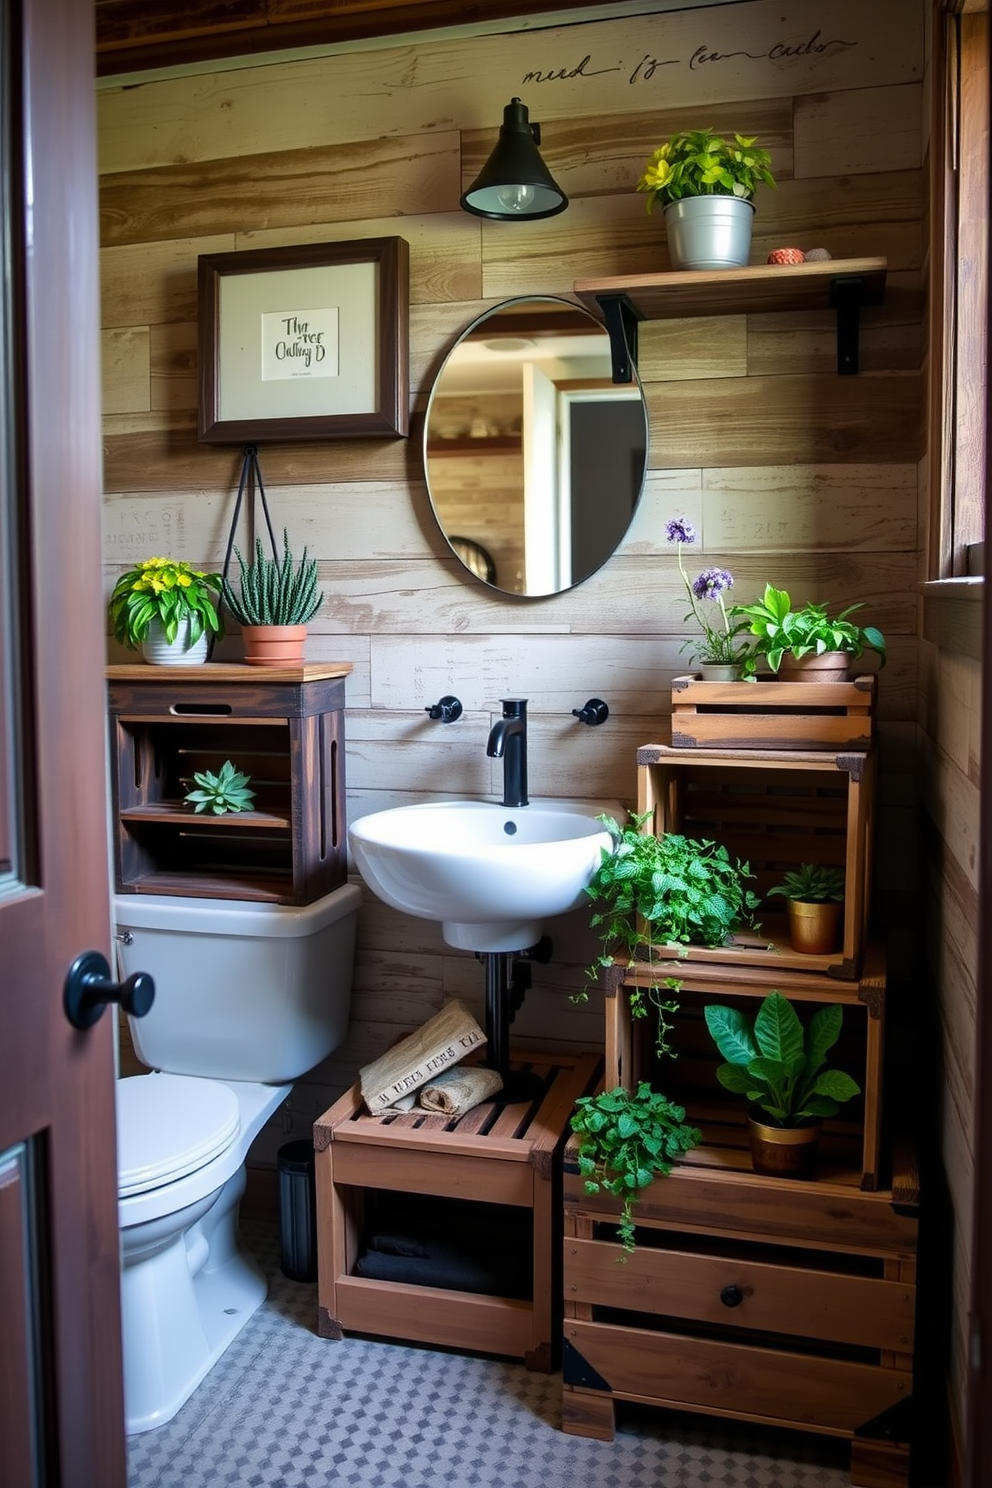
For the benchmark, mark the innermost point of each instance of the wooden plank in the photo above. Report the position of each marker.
(786, 1298)
(785, 421)
(775, 508)
(810, 1215)
(674, 296)
(834, 1395)
(435, 1315)
(859, 130)
(427, 1168)
(203, 116)
(334, 183)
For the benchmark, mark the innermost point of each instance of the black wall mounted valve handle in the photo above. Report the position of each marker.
(595, 711)
(88, 988)
(448, 709)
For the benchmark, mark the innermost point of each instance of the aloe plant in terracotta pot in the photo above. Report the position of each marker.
(274, 602)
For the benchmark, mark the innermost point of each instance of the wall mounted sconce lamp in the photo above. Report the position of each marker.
(515, 182)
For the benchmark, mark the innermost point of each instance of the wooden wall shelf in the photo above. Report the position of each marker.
(841, 284)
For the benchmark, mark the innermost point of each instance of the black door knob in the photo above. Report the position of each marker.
(88, 988)
(731, 1296)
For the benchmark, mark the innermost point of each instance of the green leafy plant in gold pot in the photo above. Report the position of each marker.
(814, 896)
(705, 182)
(778, 1065)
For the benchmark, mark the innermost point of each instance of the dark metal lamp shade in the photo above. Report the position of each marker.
(515, 182)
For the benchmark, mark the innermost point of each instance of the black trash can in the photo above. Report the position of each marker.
(297, 1211)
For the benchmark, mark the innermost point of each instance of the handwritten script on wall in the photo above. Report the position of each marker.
(702, 57)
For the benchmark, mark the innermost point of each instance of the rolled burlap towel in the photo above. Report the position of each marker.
(455, 1091)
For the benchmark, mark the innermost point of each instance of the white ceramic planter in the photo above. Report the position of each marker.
(160, 652)
(709, 232)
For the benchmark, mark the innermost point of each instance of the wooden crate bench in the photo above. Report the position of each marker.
(773, 809)
(496, 1155)
(852, 1140)
(773, 715)
(785, 1303)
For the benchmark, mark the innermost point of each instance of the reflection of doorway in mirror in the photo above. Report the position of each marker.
(598, 426)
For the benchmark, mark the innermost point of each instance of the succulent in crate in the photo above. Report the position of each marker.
(225, 791)
(626, 1140)
(812, 883)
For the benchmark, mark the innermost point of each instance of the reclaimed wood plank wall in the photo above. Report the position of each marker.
(790, 474)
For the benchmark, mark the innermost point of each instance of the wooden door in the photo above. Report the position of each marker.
(61, 1396)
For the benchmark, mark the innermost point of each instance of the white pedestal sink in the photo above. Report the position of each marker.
(490, 874)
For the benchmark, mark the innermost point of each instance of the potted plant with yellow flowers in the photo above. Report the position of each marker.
(706, 185)
(167, 610)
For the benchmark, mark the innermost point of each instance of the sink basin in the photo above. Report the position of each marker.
(490, 874)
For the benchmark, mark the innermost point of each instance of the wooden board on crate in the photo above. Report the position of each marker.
(851, 1150)
(773, 809)
(497, 1153)
(773, 715)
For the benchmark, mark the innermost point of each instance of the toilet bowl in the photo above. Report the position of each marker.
(248, 997)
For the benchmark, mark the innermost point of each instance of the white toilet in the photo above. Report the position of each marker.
(247, 998)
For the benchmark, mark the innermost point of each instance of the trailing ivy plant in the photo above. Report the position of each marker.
(626, 1140)
(221, 792)
(672, 890)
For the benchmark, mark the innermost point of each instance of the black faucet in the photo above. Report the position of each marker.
(508, 742)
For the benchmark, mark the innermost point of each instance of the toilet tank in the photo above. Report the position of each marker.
(243, 991)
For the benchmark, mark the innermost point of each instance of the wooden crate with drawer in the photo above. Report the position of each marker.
(775, 1301)
(773, 714)
(773, 809)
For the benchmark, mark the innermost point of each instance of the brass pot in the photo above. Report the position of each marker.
(814, 928)
(784, 1151)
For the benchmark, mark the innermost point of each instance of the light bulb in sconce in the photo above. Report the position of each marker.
(515, 198)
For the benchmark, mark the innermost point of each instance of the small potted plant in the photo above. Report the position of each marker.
(807, 644)
(778, 1065)
(274, 602)
(814, 895)
(721, 654)
(221, 791)
(626, 1140)
(669, 890)
(167, 610)
(706, 185)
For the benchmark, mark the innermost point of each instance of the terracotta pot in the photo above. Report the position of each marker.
(814, 929)
(273, 645)
(829, 666)
(784, 1151)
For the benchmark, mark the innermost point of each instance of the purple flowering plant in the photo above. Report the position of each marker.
(721, 643)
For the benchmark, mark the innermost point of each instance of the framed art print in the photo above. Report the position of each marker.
(304, 342)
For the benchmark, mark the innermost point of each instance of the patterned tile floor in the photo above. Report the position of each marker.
(284, 1407)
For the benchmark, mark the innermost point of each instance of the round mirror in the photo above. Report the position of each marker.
(534, 457)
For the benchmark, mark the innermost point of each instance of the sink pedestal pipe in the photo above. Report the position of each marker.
(507, 981)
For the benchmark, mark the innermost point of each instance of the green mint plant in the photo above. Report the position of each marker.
(779, 629)
(223, 792)
(626, 1140)
(777, 1064)
(666, 890)
(274, 591)
(812, 883)
(700, 162)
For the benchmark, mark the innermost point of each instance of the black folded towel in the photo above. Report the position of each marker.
(448, 1268)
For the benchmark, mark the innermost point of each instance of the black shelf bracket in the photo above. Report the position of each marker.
(846, 298)
(621, 322)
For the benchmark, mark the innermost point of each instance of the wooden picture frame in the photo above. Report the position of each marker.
(304, 342)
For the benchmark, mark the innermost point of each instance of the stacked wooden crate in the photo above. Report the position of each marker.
(766, 1299)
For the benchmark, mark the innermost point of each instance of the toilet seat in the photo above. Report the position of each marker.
(168, 1126)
